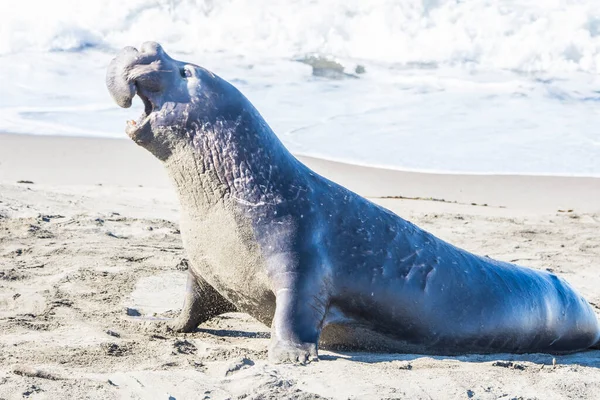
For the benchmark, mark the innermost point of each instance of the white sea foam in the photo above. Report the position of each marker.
(526, 35)
(470, 86)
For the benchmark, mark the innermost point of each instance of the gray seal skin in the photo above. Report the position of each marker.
(267, 236)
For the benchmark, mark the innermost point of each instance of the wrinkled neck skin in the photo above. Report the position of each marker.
(236, 163)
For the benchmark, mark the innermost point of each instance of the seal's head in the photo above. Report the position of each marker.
(180, 99)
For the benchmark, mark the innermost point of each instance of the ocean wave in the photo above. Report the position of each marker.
(527, 35)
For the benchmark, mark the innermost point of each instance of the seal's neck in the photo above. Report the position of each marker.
(231, 162)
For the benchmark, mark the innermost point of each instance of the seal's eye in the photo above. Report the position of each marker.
(185, 72)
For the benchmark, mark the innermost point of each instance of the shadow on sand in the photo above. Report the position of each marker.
(590, 358)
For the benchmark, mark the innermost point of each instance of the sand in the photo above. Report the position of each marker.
(92, 268)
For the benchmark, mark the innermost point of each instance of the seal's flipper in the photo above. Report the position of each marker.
(296, 326)
(201, 303)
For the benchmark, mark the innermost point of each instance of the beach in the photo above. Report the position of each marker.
(92, 269)
(476, 121)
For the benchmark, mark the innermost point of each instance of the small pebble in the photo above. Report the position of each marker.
(132, 312)
(113, 333)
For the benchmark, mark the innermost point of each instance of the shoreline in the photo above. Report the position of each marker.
(438, 172)
(108, 161)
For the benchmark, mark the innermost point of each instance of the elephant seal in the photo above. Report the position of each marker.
(267, 236)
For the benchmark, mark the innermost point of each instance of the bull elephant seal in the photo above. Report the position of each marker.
(267, 236)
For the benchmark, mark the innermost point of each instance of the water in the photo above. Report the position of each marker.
(450, 86)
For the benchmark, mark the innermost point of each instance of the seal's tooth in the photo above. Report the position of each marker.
(131, 128)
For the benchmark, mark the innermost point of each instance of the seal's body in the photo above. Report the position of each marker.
(267, 236)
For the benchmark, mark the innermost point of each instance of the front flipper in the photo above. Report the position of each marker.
(201, 303)
(297, 324)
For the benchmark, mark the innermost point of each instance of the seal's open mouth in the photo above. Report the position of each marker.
(136, 73)
(153, 76)
(134, 126)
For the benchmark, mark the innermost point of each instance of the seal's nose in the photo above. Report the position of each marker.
(152, 48)
(119, 86)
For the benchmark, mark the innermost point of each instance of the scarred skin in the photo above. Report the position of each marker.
(267, 236)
